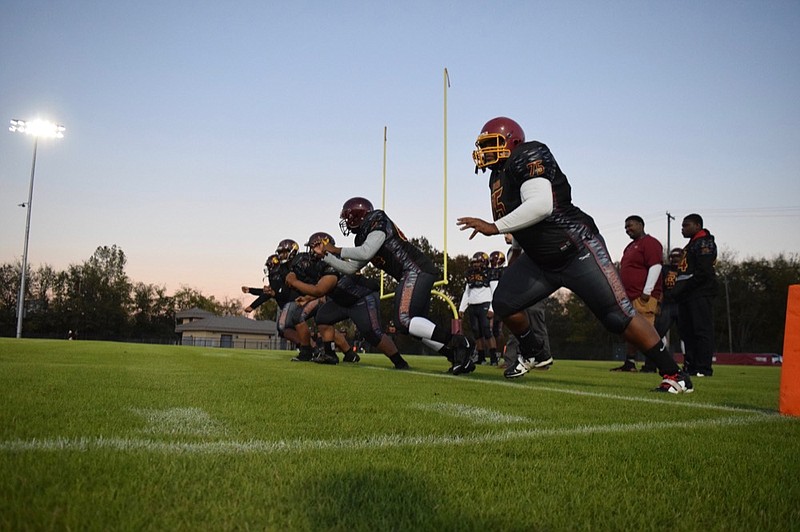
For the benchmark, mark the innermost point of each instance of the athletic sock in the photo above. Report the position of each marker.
(329, 347)
(529, 344)
(660, 356)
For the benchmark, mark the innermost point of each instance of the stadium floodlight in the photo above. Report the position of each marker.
(37, 129)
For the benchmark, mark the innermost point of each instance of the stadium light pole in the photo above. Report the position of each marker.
(36, 128)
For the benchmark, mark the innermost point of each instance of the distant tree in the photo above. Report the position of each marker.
(9, 293)
(186, 298)
(756, 291)
(105, 294)
(152, 312)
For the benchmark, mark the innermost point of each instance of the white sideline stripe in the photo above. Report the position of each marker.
(86, 444)
(677, 400)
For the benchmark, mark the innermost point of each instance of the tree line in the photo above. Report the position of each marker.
(98, 300)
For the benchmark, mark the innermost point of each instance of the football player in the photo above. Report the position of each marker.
(282, 294)
(532, 199)
(349, 296)
(379, 241)
(476, 302)
(305, 269)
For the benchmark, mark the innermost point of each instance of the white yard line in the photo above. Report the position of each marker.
(529, 384)
(87, 444)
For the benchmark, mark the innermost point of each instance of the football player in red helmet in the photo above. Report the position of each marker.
(379, 241)
(305, 271)
(277, 289)
(286, 250)
(354, 211)
(351, 297)
(476, 304)
(532, 199)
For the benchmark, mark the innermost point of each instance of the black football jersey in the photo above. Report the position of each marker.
(495, 274)
(397, 254)
(277, 281)
(478, 277)
(558, 238)
(310, 270)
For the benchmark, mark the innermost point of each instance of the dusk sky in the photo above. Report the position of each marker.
(199, 134)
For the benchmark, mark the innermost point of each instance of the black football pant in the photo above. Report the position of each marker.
(696, 327)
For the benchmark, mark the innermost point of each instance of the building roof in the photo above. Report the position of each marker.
(195, 312)
(226, 324)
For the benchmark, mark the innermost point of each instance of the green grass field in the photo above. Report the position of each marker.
(108, 436)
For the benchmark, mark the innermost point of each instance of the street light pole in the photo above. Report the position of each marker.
(37, 128)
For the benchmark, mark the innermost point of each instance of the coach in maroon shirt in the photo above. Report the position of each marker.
(640, 271)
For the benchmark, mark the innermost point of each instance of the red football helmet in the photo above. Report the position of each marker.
(497, 140)
(317, 239)
(480, 260)
(497, 259)
(286, 250)
(354, 211)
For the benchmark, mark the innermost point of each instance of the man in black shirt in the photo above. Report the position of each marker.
(695, 290)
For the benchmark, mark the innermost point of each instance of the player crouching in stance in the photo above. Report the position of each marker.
(380, 241)
(532, 200)
(349, 296)
(306, 269)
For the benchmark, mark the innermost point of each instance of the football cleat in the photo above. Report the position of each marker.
(462, 361)
(325, 358)
(462, 369)
(626, 367)
(524, 365)
(352, 356)
(678, 383)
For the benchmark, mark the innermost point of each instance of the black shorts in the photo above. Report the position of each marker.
(591, 275)
(296, 314)
(479, 320)
(365, 314)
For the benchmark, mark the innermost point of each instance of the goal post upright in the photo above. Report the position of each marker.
(442, 281)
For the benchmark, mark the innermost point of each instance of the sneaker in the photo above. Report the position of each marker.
(325, 358)
(461, 349)
(352, 356)
(647, 369)
(524, 365)
(467, 367)
(302, 357)
(402, 367)
(678, 383)
(627, 366)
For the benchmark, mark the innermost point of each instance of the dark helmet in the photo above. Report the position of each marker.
(497, 140)
(316, 239)
(271, 263)
(497, 259)
(286, 250)
(354, 211)
(480, 260)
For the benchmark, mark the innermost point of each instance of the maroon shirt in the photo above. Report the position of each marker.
(637, 259)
